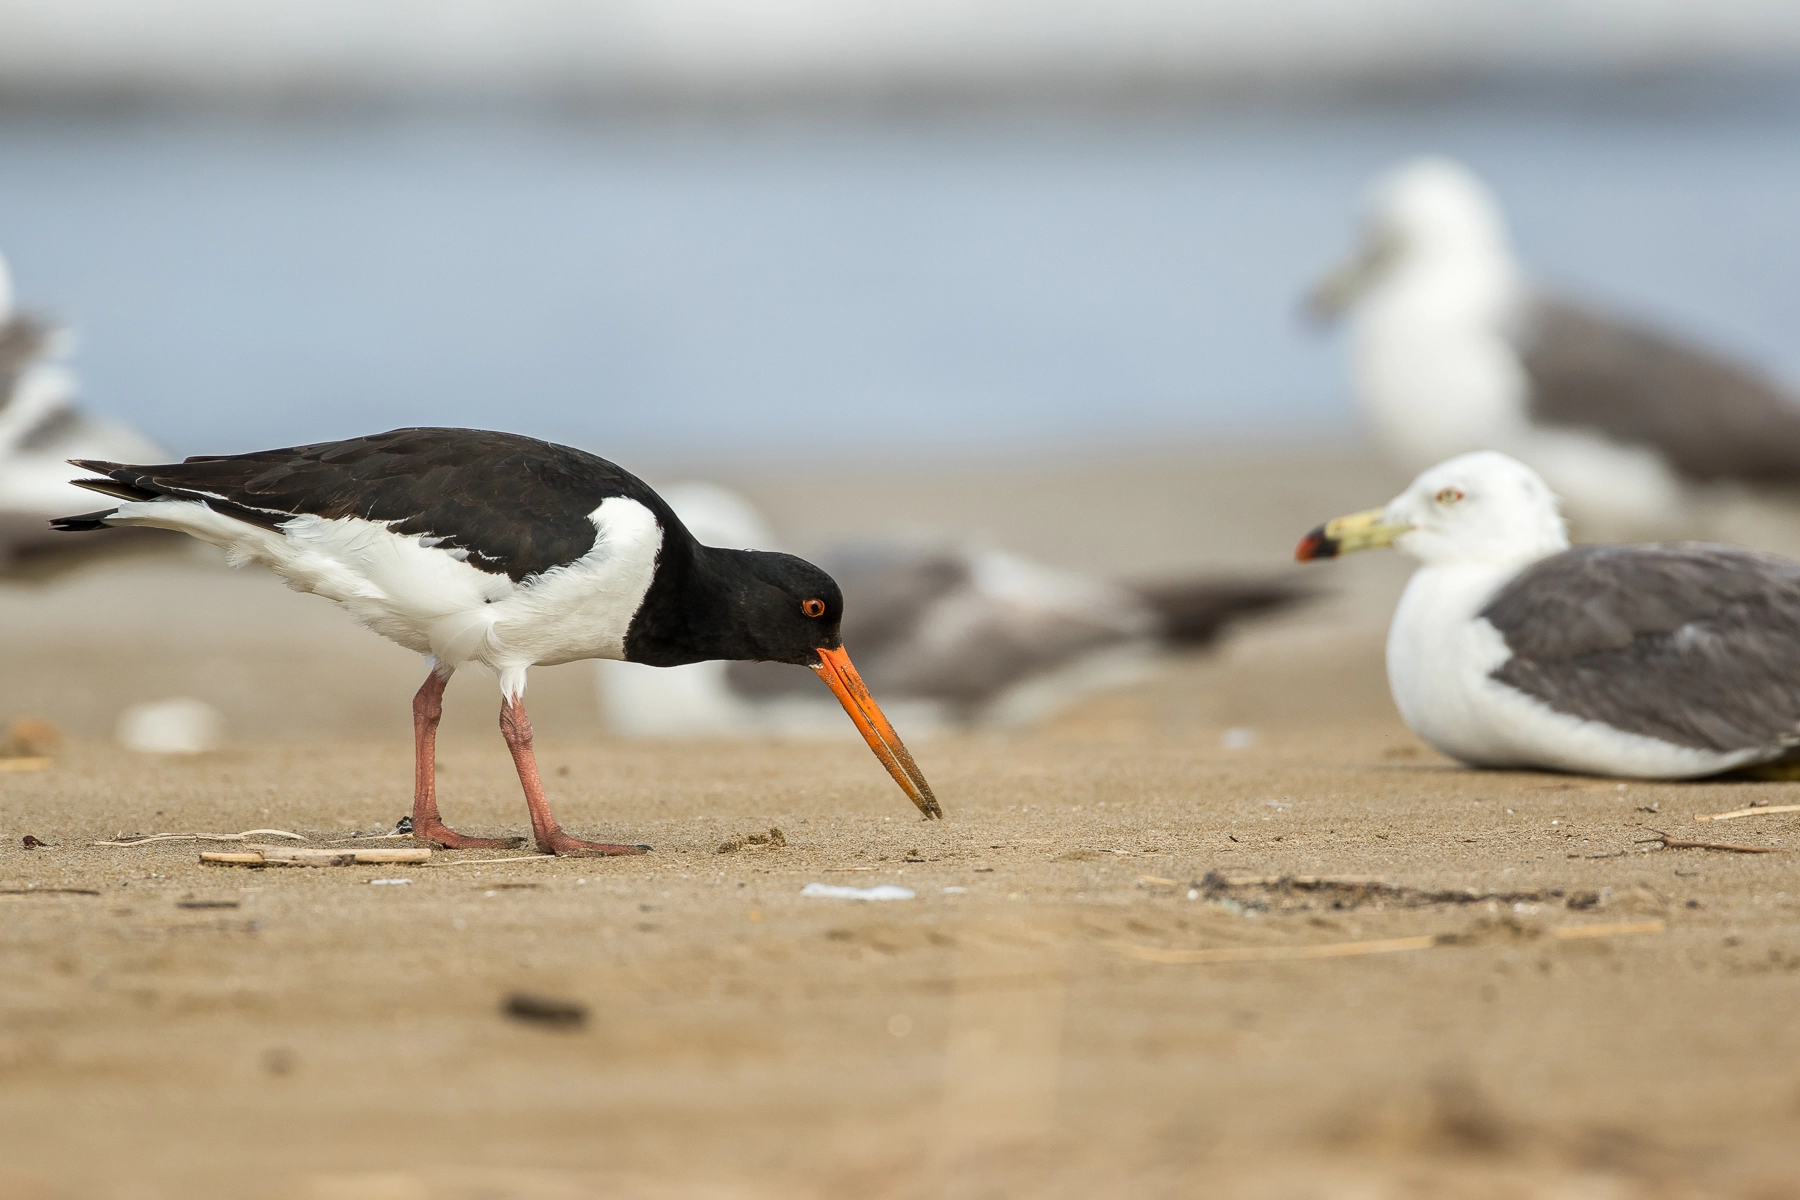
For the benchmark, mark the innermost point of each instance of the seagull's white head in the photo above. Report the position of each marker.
(1482, 508)
(1430, 214)
(1436, 205)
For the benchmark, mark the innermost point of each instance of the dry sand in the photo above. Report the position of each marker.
(1012, 1031)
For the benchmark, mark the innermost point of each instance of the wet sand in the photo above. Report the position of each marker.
(1025, 1026)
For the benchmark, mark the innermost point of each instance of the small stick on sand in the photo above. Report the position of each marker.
(470, 862)
(1157, 954)
(1757, 811)
(1615, 929)
(202, 837)
(1675, 843)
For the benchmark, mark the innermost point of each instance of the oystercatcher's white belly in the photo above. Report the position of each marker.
(412, 590)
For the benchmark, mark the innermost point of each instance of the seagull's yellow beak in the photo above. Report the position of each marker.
(1358, 531)
(1346, 283)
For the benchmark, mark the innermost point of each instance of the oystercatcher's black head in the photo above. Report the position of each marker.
(788, 610)
(770, 607)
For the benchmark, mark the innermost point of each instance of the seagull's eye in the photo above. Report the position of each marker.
(1449, 496)
(813, 608)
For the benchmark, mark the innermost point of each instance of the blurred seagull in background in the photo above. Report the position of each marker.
(40, 428)
(1454, 350)
(1510, 649)
(954, 635)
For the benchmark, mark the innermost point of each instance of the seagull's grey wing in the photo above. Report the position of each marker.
(1010, 620)
(888, 588)
(1194, 612)
(1694, 644)
(1709, 418)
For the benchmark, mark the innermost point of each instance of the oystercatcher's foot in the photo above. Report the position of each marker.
(562, 844)
(446, 838)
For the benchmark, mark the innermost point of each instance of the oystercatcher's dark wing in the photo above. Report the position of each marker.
(518, 506)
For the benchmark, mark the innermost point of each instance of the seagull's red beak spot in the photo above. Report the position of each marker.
(1316, 545)
(835, 669)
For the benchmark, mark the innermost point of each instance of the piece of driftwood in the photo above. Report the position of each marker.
(294, 856)
(32, 762)
(1756, 811)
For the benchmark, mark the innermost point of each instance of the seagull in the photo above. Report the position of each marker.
(954, 635)
(466, 546)
(1510, 649)
(40, 429)
(1454, 350)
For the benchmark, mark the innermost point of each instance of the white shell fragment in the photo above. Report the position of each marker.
(884, 891)
(179, 725)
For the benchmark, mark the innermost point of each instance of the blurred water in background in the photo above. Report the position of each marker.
(689, 289)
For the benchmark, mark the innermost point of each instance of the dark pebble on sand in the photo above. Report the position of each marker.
(545, 1010)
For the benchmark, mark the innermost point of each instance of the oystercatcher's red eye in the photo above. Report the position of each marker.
(813, 608)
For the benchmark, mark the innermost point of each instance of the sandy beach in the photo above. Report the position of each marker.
(1508, 987)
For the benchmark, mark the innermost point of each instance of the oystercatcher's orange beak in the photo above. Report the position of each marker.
(835, 669)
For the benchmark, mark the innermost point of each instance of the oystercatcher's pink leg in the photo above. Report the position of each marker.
(428, 706)
(516, 727)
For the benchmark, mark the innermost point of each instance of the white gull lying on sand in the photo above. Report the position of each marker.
(1510, 649)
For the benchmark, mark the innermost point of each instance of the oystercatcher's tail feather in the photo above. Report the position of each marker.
(85, 523)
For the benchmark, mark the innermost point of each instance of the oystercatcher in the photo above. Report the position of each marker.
(1456, 349)
(1510, 649)
(474, 547)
